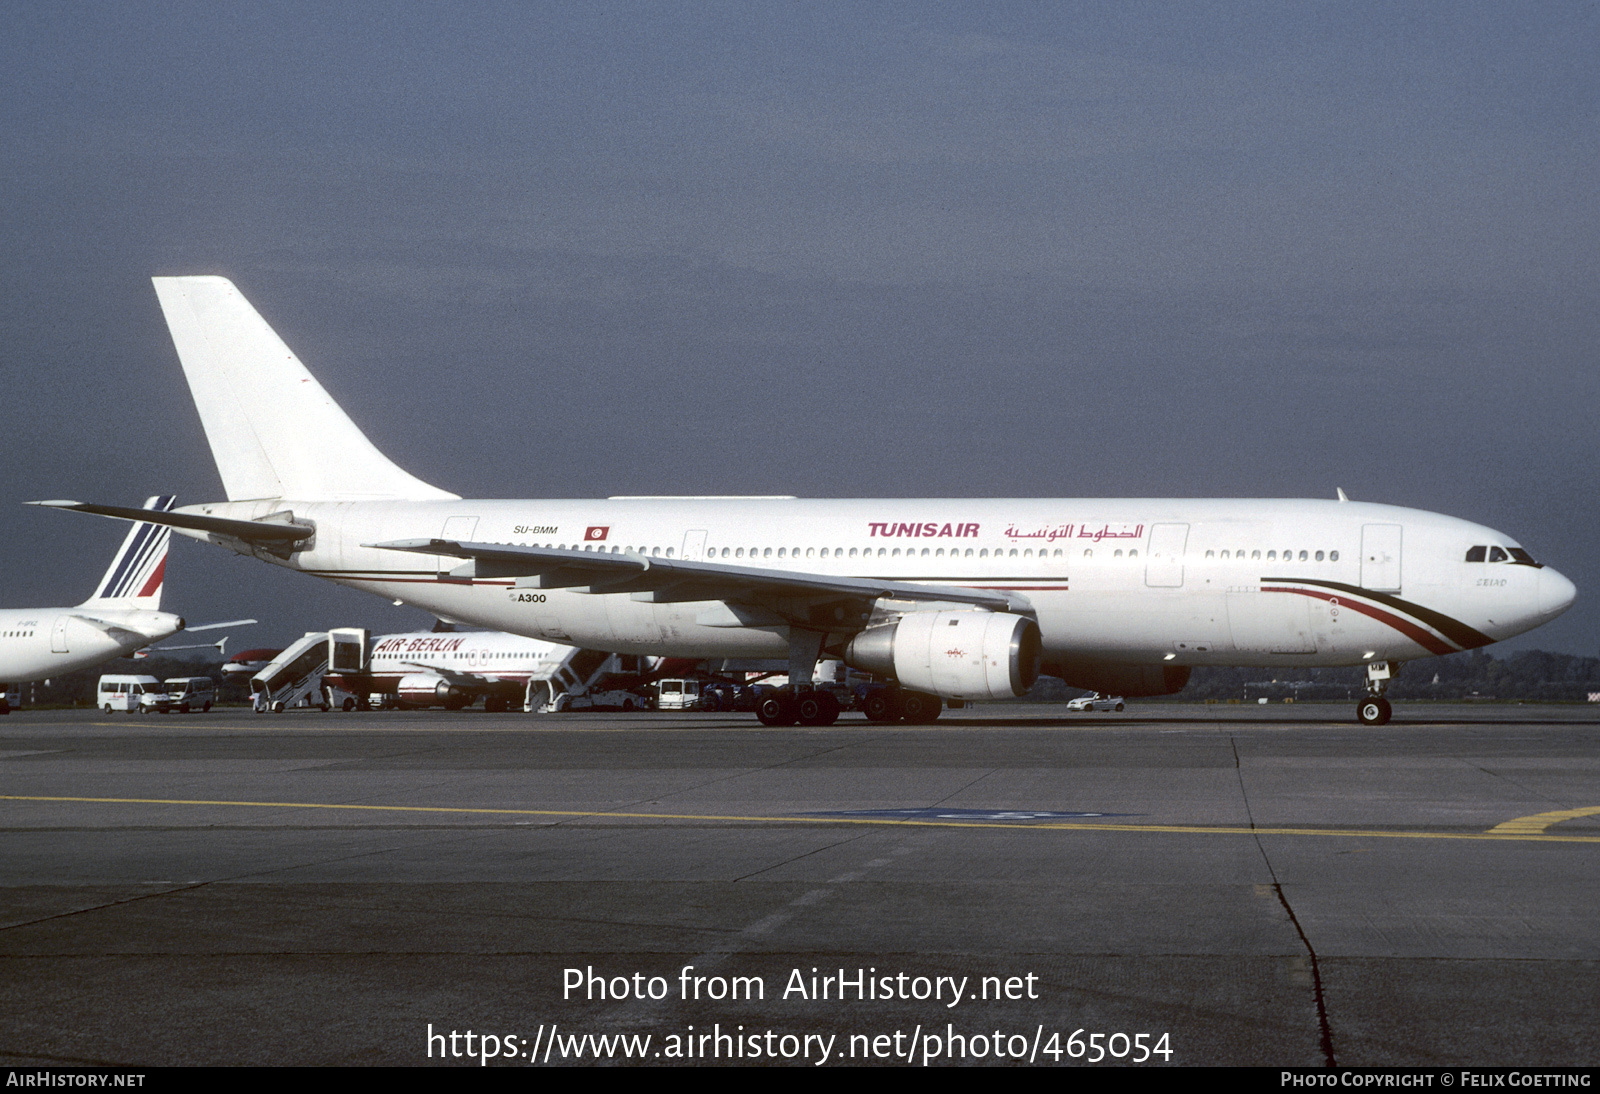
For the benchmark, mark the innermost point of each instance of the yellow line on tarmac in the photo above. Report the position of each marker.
(1540, 821)
(1179, 829)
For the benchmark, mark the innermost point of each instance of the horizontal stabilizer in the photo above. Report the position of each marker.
(266, 533)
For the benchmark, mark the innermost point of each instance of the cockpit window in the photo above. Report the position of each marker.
(1523, 558)
(1476, 554)
(1497, 554)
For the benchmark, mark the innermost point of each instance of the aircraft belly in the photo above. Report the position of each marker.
(1262, 622)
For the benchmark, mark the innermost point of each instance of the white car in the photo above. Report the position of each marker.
(1093, 701)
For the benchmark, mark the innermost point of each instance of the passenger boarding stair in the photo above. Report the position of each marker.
(293, 676)
(575, 683)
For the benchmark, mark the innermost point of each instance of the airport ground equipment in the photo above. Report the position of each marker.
(294, 676)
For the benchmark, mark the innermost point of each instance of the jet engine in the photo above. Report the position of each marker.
(428, 689)
(953, 654)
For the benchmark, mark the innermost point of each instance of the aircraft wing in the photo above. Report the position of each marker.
(454, 676)
(668, 580)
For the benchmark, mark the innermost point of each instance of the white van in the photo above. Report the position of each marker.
(191, 692)
(678, 695)
(138, 694)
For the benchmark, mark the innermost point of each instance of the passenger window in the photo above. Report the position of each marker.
(1117, 553)
(1255, 554)
(780, 552)
(1319, 556)
(1333, 556)
(1302, 556)
(767, 553)
(738, 553)
(1211, 554)
(1133, 553)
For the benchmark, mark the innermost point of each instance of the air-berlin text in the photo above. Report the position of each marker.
(930, 530)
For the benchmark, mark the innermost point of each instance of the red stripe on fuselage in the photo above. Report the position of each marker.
(1430, 642)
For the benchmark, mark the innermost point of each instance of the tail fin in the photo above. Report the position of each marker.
(274, 431)
(140, 568)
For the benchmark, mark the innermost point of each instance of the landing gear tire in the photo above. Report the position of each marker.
(1373, 711)
(882, 706)
(816, 708)
(776, 710)
(919, 709)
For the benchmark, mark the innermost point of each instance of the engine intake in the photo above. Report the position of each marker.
(953, 654)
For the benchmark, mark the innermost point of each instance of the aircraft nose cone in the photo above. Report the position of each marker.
(1556, 593)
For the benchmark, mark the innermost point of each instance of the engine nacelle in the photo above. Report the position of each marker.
(953, 654)
(428, 689)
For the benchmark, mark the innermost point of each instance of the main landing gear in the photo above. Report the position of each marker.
(894, 705)
(818, 707)
(813, 706)
(807, 706)
(1375, 710)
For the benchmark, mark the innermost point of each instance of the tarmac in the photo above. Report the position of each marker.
(1177, 884)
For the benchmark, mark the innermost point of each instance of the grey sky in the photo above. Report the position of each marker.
(1252, 250)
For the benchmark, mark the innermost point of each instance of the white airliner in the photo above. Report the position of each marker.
(122, 616)
(952, 598)
(453, 668)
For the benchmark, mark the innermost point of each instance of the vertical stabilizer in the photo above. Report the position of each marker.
(274, 431)
(138, 572)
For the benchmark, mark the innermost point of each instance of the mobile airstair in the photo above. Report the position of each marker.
(579, 683)
(293, 677)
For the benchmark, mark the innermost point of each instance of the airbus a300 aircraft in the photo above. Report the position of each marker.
(123, 615)
(952, 598)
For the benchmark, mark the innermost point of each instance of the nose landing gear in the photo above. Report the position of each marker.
(1375, 710)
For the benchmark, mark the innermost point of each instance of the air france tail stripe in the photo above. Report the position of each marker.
(152, 586)
(130, 560)
(149, 548)
(145, 547)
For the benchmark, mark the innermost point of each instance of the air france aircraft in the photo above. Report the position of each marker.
(951, 598)
(122, 616)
